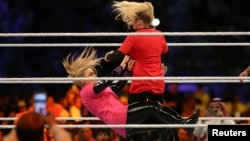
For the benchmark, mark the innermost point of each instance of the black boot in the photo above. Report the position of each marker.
(192, 120)
(171, 115)
(168, 115)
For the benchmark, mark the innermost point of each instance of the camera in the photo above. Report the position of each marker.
(40, 102)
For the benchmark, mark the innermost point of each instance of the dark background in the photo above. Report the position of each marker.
(96, 16)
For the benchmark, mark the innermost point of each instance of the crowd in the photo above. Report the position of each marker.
(78, 134)
(69, 107)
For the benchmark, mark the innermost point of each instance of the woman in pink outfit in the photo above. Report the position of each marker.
(100, 98)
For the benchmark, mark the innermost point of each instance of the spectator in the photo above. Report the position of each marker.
(174, 98)
(75, 110)
(235, 106)
(216, 108)
(103, 134)
(86, 133)
(30, 127)
(202, 95)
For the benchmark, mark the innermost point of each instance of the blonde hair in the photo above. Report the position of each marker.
(128, 12)
(75, 66)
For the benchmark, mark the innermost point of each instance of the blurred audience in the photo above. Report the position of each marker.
(189, 106)
(183, 135)
(103, 134)
(235, 106)
(203, 97)
(245, 114)
(87, 134)
(75, 110)
(173, 97)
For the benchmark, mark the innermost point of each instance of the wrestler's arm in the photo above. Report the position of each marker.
(114, 56)
(101, 85)
(118, 86)
(98, 87)
(164, 60)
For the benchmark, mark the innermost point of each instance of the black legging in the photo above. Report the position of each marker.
(145, 96)
(140, 112)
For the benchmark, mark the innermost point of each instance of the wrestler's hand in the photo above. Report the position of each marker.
(130, 65)
(124, 61)
(106, 55)
(164, 68)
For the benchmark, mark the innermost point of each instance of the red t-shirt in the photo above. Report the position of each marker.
(147, 51)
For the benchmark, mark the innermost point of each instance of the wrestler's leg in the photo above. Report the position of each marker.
(143, 96)
(140, 112)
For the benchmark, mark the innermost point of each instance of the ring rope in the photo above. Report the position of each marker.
(115, 44)
(122, 126)
(125, 34)
(96, 118)
(213, 79)
(167, 79)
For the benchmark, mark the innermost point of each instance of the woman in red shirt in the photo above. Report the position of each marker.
(148, 51)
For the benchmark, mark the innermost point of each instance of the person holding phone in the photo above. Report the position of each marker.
(100, 97)
(216, 108)
(31, 125)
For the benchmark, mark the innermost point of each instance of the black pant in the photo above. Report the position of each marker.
(151, 112)
(145, 96)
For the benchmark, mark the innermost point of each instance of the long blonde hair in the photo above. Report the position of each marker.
(75, 66)
(128, 12)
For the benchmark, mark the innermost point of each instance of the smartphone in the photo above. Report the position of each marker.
(40, 102)
(213, 112)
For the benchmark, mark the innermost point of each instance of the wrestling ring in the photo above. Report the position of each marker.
(56, 80)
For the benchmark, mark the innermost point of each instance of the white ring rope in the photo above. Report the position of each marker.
(166, 79)
(123, 126)
(129, 125)
(114, 44)
(125, 34)
(211, 79)
(96, 118)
